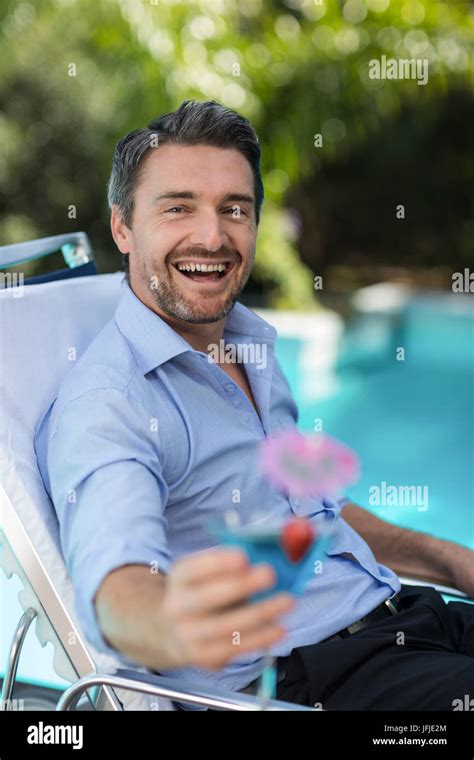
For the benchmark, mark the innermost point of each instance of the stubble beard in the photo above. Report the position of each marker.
(169, 299)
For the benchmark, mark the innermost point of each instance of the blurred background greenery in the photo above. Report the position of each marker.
(296, 68)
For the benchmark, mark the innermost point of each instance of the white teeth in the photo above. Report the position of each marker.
(201, 267)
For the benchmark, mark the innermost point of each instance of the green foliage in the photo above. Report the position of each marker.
(295, 68)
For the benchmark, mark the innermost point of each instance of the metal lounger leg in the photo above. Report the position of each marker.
(14, 656)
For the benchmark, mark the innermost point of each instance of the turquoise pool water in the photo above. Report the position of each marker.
(411, 422)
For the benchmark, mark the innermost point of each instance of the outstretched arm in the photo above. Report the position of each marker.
(413, 553)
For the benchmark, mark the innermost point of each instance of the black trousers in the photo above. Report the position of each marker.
(420, 659)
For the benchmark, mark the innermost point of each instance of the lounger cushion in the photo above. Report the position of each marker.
(44, 329)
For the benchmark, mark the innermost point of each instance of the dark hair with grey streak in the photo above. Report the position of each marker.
(193, 123)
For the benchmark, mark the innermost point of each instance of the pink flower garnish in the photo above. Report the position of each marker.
(308, 465)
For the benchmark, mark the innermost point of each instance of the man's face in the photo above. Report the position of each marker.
(193, 234)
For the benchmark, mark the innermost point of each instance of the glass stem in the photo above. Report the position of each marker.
(268, 681)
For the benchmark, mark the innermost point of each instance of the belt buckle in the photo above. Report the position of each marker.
(363, 622)
(354, 627)
(391, 606)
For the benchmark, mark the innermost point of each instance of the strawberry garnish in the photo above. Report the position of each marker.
(296, 538)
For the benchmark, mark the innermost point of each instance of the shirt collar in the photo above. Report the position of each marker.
(153, 342)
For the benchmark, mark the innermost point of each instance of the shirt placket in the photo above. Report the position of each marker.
(237, 398)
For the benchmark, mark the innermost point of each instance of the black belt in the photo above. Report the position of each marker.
(387, 608)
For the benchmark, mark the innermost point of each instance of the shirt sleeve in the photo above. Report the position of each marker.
(105, 468)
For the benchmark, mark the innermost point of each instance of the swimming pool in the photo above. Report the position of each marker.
(410, 421)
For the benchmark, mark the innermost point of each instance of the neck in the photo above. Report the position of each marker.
(199, 336)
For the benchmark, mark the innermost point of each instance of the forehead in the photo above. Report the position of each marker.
(201, 168)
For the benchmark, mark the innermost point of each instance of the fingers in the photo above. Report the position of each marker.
(216, 656)
(207, 603)
(228, 591)
(248, 619)
(196, 568)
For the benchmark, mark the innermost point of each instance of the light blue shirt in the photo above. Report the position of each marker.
(148, 439)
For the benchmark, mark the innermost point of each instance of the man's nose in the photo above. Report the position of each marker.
(209, 232)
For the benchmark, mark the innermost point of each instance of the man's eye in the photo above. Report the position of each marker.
(174, 208)
(236, 211)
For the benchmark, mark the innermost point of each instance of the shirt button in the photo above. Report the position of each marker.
(230, 388)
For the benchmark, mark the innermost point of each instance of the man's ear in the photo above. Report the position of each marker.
(120, 232)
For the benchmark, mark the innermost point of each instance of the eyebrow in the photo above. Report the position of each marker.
(188, 195)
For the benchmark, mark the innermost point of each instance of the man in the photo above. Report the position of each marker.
(149, 439)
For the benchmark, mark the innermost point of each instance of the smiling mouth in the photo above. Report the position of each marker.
(204, 272)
